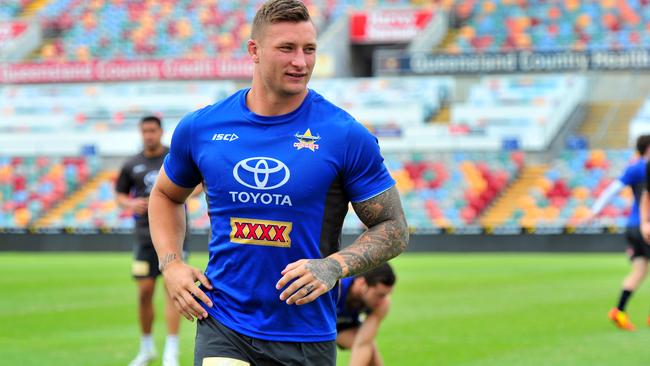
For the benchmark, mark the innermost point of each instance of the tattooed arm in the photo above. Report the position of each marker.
(386, 237)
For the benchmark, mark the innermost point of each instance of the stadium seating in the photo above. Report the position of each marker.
(170, 29)
(102, 107)
(504, 25)
(30, 186)
(388, 102)
(566, 192)
(438, 192)
(447, 190)
(530, 108)
(95, 207)
(10, 9)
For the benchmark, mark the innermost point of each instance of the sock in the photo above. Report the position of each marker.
(171, 344)
(622, 302)
(146, 343)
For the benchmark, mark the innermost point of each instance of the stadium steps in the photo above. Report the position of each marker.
(74, 199)
(36, 53)
(447, 41)
(616, 136)
(33, 8)
(504, 206)
(594, 118)
(443, 116)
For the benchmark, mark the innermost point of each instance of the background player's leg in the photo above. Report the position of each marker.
(636, 275)
(630, 284)
(376, 357)
(146, 287)
(173, 318)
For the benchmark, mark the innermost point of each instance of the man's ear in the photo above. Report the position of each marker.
(253, 50)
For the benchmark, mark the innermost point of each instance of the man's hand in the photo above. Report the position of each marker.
(139, 205)
(312, 278)
(180, 280)
(382, 309)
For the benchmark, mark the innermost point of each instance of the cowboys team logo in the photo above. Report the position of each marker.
(306, 140)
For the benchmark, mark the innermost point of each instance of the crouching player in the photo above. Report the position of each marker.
(365, 296)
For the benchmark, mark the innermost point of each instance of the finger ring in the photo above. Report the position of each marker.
(309, 288)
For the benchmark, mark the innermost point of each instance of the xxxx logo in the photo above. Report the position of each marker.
(260, 232)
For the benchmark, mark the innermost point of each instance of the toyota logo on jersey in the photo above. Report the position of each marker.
(261, 173)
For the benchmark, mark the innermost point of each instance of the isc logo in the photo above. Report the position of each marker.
(224, 137)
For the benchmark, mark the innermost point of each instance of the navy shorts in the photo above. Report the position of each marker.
(218, 345)
(638, 246)
(145, 261)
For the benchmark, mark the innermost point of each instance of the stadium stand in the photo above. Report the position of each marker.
(501, 25)
(29, 186)
(169, 29)
(562, 193)
(640, 123)
(94, 206)
(388, 105)
(10, 9)
(448, 190)
(101, 107)
(438, 192)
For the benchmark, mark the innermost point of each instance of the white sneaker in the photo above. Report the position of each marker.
(143, 358)
(170, 359)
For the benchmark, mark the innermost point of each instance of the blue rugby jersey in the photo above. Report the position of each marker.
(278, 189)
(635, 177)
(344, 314)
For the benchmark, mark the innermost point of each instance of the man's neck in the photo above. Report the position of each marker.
(157, 151)
(265, 103)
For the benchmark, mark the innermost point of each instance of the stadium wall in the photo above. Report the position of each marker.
(419, 243)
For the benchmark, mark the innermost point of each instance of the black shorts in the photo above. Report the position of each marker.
(638, 246)
(145, 261)
(218, 345)
(347, 324)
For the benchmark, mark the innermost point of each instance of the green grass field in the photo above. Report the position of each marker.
(462, 309)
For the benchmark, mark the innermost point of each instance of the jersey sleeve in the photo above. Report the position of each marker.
(179, 163)
(647, 176)
(124, 183)
(364, 175)
(629, 177)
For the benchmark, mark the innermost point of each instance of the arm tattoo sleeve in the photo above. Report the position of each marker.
(386, 237)
(168, 258)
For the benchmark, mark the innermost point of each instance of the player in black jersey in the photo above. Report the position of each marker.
(133, 186)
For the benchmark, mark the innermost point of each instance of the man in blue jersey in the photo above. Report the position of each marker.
(278, 188)
(366, 296)
(634, 176)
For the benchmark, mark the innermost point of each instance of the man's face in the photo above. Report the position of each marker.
(374, 295)
(151, 135)
(285, 55)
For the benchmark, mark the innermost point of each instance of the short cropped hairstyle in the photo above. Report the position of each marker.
(382, 274)
(277, 11)
(152, 118)
(642, 144)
